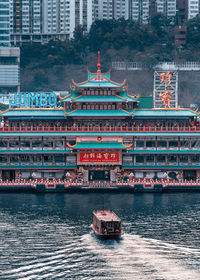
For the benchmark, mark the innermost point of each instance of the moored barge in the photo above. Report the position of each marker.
(97, 136)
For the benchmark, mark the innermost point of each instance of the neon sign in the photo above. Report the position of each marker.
(167, 94)
(30, 99)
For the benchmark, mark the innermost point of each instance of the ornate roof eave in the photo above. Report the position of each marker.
(74, 90)
(79, 84)
(135, 98)
(68, 113)
(64, 97)
(108, 80)
(108, 72)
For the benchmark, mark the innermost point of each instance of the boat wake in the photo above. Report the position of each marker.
(134, 257)
(87, 257)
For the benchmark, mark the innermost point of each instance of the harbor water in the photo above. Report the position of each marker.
(48, 236)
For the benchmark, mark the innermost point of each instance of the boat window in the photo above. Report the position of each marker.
(173, 144)
(195, 144)
(150, 144)
(172, 158)
(109, 224)
(103, 225)
(162, 144)
(195, 158)
(140, 159)
(139, 144)
(160, 158)
(150, 159)
(117, 225)
(3, 144)
(184, 158)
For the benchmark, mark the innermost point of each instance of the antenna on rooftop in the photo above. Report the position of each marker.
(99, 65)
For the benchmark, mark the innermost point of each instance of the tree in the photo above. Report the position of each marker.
(193, 32)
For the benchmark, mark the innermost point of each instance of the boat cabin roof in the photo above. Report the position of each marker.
(106, 216)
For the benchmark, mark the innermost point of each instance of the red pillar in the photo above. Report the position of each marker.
(156, 143)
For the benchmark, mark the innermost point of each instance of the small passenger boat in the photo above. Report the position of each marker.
(106, 224)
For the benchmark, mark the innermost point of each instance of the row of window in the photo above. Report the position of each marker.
(33, 144)
(164, 144)
(159, 159)
(61, 143)
(98, 92)
(127, 160)
(33, 159)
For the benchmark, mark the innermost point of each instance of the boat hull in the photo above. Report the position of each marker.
(107, 235)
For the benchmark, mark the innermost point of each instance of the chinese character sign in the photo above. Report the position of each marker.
(167, 94)
(99, 157)
(165, 89)
(166, 97)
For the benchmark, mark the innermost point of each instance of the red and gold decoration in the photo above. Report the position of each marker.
(99, 157)
(165, 89)
(167, 94)
(99, 139)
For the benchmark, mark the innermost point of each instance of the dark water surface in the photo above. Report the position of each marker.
(48, 236)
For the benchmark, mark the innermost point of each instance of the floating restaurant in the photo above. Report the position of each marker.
(99, 136)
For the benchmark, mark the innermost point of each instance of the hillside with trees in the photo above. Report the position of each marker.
(52, 66)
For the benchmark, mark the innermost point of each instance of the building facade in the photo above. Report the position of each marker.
(99, 135)
(4, 23)
(9, 56)
(43, 20)
(9, 72)
(180, 30)
(140, 11)
(193, 8)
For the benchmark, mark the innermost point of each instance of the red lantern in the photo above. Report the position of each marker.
(99, 139)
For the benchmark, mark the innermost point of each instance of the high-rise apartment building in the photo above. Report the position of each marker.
(4, 23)
(9, 57)
(140, 10)
(103, 9)
(111, 9)
(193, 8)
(26, 16)
(63, 16)
(121, 9)
(143, 10)
(166, 7)
(42, 20)
(180, 30)
(26, 19)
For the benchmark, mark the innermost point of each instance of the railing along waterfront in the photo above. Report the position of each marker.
(146, 182)
(102, 129)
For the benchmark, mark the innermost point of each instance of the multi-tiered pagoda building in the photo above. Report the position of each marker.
(100, 135)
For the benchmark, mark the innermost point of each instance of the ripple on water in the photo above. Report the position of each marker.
(57, 245)
(134, 256)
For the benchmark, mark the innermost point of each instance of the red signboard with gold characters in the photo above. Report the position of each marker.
(99, 157)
